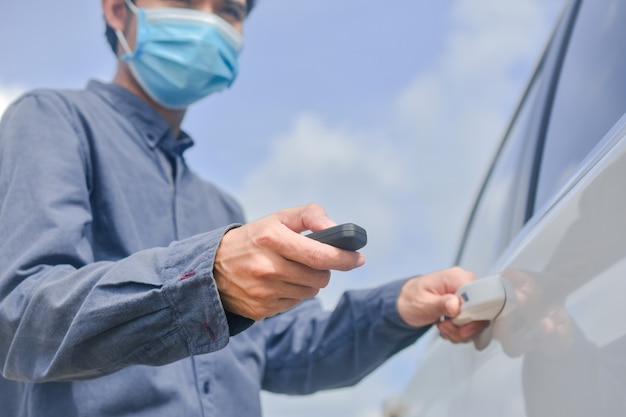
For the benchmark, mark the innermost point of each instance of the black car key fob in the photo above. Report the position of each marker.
(348, 236)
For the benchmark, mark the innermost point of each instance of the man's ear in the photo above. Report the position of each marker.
(115, 13)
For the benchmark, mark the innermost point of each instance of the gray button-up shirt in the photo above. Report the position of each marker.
(108, 305)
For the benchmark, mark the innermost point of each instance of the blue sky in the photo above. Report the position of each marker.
(386, 114)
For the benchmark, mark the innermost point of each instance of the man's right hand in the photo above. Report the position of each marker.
(266, 267)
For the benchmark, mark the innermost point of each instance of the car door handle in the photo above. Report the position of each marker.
(485, 299)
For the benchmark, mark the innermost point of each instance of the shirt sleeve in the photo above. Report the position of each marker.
(309, 349)
(62, 315)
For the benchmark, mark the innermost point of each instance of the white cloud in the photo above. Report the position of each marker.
(7, 95)
(510, 31)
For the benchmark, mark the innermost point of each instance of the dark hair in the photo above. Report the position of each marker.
(112, 38)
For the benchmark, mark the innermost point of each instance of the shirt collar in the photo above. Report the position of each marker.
(153, 128)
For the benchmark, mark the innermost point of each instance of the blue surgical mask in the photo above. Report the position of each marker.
(181, 55)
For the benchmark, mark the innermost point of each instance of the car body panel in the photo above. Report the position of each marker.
(561, 351)
(565, 342)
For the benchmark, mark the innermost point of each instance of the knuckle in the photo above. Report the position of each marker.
(263, 268)
(457, 274)
(313, 207)
(259, 293)
(457, 270)
(267, 237)
(351, 264)
(317, 258)
(313, 292)
(323, 279)
(263, 311)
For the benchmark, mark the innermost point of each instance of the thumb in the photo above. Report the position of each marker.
(450, 305)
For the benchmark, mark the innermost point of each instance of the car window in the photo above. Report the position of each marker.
(505, 201)
(590, 96)
(498, 213)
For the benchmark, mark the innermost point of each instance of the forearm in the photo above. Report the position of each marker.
(156, 306)
(320, 350)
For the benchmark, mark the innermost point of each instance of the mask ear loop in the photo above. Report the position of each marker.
(132, 6)
(122, 40)
(120, 36)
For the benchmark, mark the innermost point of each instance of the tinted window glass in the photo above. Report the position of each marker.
(591, 95)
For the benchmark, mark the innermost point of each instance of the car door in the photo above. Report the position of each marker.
(551, 221)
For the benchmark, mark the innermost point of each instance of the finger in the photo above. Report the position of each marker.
(273, 269)
(461, 334)
(308, 217)
(443, 306)
(278, 241)
(288, 291)
(451, 279)
(300, 276)
(274, 296)
(290, 297)
(470, 330)
(450, 306)
(447, 327)
(288, 241)
(443, 334)
(317, 255)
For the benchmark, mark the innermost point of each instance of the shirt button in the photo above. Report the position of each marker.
(206, 387)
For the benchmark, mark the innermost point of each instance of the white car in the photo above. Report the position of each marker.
(550, 221)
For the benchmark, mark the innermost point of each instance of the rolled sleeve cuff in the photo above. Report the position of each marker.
(191, 291)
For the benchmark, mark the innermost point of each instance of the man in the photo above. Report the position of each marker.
(130, 287)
